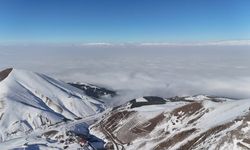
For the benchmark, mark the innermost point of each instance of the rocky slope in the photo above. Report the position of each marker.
(179, 123)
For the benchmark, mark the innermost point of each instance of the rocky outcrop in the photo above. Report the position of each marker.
(4, 74)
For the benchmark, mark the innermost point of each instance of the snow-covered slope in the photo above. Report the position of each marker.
(181, 123)
(31, 100)
(70, 135)
(38, 112)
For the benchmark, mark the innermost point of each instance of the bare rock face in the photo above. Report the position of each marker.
(4, 74)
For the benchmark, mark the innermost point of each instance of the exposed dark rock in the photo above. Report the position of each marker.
(94, 91)
(4, 74)
(151, 100)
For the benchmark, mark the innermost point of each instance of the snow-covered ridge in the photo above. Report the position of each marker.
(196, 122)
(31, 100)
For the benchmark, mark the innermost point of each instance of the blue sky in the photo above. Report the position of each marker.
(120, 21)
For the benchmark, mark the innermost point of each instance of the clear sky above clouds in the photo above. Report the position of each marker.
(174, 47)
(72, 21)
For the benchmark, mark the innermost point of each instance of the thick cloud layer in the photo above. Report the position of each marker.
(136, 70)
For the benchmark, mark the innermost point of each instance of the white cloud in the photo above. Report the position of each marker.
(144, 44)
(211, 43)
(96, 44)
(138, 71)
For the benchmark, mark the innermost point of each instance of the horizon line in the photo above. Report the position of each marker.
(140, 44)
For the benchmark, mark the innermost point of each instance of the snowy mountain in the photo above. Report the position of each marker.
(39, 112)
(178, 123)
(29, 101)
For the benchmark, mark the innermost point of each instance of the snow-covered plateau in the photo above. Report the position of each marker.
(39, 112)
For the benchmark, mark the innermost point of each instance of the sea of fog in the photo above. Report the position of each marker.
(136, 71)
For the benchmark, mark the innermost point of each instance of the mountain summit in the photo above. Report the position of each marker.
(4, 74)
(31, 100)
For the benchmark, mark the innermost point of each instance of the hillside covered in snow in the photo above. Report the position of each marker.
(31, 101)
(39, 112)
(178, 123)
